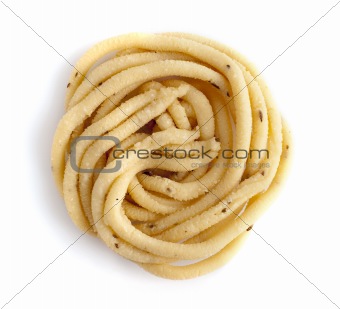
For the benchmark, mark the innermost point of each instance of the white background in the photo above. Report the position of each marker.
(303, 223)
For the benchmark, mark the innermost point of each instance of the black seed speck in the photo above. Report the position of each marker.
(148, 173)
(100, 83)
(168, 190)
(151, 226)
(76, 74)
(249, 228)
(68, 85)
(228, 95)
(117, 246)
(216, 86)
(224, 210)
(262, 173)
(261, 115)
(287, 147)
(228, 66)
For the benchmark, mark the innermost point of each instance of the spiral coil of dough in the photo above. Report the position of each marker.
(168, 91)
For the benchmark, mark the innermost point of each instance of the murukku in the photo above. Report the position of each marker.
(170, 149)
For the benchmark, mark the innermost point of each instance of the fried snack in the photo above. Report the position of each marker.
(155, 92)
